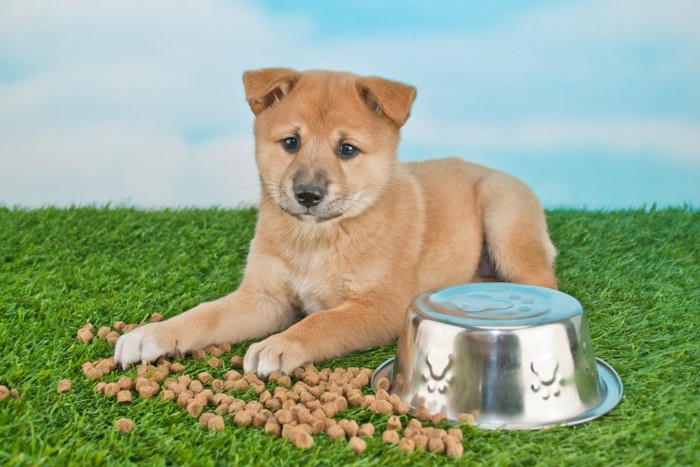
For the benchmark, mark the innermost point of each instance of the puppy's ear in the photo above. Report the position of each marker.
(264, 88)
(391, 98)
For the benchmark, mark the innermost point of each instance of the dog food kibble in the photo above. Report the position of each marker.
(422, 413)
(407, 445)
(112, 338)
(366, 430)
(381, 407)
(357, 444)
(204, 419)
(394, 423)
(390, 437)
(383, 383)
(436, 445)
(124, 397)
(205, 377)
(455, 450)
(294, 407)
(156, 317)
(85, 335)
(63, 386)
(125, 383)
(216, 423)
(124, 425)
(438, 418)
(466, 419)
(335, 432)
(4, 392)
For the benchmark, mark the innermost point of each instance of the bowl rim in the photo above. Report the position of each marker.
(609, 381)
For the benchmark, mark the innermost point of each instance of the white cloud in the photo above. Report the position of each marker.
(108, 95)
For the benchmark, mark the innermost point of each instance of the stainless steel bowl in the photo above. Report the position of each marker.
(514, 356)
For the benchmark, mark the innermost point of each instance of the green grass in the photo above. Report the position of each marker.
(636, 273)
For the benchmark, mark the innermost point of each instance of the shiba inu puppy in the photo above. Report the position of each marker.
(347, 235)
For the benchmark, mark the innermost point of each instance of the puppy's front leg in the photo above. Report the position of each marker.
(259, 307)
(326, 334)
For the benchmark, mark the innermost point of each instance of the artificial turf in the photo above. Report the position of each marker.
(636, 273)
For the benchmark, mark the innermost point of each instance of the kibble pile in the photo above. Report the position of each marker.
(295, 407)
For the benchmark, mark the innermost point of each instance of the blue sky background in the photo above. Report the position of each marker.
(593, 103)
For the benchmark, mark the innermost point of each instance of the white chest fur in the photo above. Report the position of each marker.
(313, 281)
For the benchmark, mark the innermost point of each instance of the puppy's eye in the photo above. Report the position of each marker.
(347, 151)
(291, 144)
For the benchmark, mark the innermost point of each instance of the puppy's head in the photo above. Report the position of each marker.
(325, 142)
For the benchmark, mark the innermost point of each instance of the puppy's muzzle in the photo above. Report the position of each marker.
(309, 195)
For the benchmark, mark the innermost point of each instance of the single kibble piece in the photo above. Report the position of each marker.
(205, 377)
(438, 418)
(63, 386)
(237, 361)
(14, 393)
(422, 413)
(215, 362)
(366, 430)
(89, 327)
(303, 440)
(85, 335)
(125, 382)
(401, 408)
(199, 354)
(177, 368)
(124, 425)
(466, 419)
(243, 418)
(156, 317)
(119, 326)
(357, 444)
(167, 394)
(436, 445)
(112, 338)
(390, 437)
(407, 445)
(148, 391)
(124, 397)
(103, 331)
(4, 392)
(394, 423)
(335, 432)
(384, 383)
(456, 433)
(196, 387)
(272, 428)
(455, 450)
(194, 408)
(225, 346)
(217, 385)
(216, 423)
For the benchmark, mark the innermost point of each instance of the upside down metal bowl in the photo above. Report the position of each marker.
(514, 356)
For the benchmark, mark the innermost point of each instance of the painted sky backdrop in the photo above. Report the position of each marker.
(593, 103)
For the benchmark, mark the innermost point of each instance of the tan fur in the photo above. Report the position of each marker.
(385, 232)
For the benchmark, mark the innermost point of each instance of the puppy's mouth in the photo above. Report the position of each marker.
(310, 215)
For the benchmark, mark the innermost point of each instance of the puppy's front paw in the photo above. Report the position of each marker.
(274, 353)
(143, 344)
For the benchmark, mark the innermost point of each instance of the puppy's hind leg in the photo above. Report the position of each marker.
(515, 232)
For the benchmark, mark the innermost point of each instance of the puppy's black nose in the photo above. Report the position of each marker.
(309, 195)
